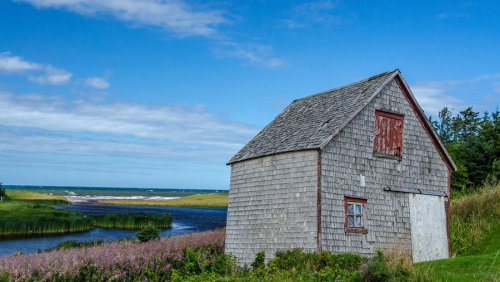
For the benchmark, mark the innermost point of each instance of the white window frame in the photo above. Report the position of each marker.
(357, 209)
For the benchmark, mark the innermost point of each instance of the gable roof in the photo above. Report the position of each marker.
(311, 122)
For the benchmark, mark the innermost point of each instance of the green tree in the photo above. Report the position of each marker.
(460, 178)
(466, 125)
(3, 193)
(474, 144)
(493, 177)
(444, 126)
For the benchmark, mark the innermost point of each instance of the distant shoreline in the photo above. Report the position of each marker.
(212, 200)
(96, 199)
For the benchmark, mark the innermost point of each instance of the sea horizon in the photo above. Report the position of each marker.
(58, 187)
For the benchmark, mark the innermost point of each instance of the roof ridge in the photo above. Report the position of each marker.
(346, 85)
(291, 130)
(351, 117)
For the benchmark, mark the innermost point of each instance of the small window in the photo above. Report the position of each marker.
(388, 135)
(355, 215)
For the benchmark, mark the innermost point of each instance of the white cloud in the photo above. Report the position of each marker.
(15, 64)
(433, 97)
(449, 15)
(52, 76)
(456, 94)
(178, 17)
(97, 82)
(118, 128)
(496, 88)
(39, 73)
(254, 54)
(175, 15)
(311, 13)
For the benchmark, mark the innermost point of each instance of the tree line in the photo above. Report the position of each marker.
(473, 141)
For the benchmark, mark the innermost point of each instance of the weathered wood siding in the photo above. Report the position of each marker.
(272, 205)
(350, 154)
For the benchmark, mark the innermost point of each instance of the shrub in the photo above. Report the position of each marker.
(74, 244)
(259, 261)
(303, 261)
(148, 233)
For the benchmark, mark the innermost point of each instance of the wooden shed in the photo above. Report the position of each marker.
(353, 169)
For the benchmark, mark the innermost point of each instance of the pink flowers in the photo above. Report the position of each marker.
(117, 259)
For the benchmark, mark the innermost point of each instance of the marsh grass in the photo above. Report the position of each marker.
(28, 218)
(132, 220)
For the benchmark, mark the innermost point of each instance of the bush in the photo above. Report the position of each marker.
(302, 261)
(148, 233)
(74, 244)
(3, 193)
(259, 261)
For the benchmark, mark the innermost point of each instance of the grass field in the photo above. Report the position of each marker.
(481, 264)
(212, 200)
(30, 195)
(27, 213)
(475, 238)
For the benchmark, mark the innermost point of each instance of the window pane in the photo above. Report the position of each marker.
(350, 220)
(359, 209)
(358, 221)
(350, 209)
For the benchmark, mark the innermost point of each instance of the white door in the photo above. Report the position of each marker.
(428, 227)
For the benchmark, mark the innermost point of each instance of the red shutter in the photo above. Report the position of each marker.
(388, 139)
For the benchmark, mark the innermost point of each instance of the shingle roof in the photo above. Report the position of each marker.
(308, 122)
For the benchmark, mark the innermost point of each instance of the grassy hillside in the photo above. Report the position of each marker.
(475, 230)
(212, 200)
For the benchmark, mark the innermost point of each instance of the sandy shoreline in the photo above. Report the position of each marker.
(95, 199)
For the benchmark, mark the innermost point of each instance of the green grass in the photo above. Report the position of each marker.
(490, 242)
(28, 213)
(464, 268)
(211, 200)
(30, 195)
(480, 263)
(475, 233)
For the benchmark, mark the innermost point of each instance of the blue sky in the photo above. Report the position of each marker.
(162, 93)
